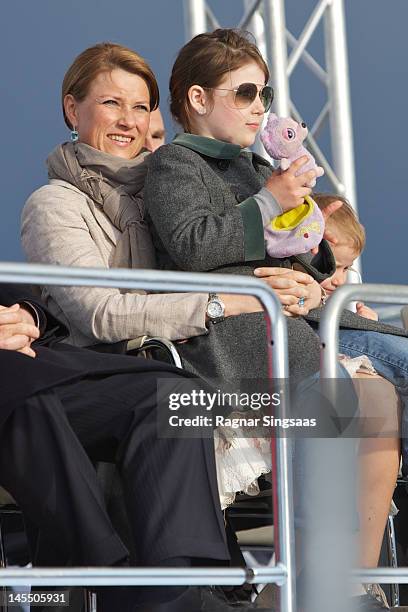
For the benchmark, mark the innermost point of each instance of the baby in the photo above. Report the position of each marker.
(350, 234)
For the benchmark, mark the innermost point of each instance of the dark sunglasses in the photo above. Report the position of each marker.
(246, 93)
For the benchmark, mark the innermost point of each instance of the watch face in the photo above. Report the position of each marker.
(214, 310)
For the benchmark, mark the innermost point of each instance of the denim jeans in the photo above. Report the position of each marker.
(389, 356)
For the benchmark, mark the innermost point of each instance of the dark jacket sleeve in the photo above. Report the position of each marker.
(351, 320)
(52, 330)
(194, 234)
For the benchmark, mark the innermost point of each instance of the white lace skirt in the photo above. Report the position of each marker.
(241, 460)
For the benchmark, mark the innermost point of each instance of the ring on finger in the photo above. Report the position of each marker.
(301, 301)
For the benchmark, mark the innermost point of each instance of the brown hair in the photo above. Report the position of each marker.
(344, 220)
(204, 61)
(104, 57)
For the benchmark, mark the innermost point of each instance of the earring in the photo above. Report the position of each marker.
(74, 135)
(202, 111)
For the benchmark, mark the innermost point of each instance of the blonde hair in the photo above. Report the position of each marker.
(103, 57)
(344, 220)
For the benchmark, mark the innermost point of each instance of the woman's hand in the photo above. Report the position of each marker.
(314, 299)
(17, 330)
(366, 312)
(287, 189)
(290, 286)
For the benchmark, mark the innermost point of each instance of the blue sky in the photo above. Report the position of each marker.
(40, 39)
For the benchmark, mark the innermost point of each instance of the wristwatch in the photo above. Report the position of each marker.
(215, 309)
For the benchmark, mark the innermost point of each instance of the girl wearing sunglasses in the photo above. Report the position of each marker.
(208, 197)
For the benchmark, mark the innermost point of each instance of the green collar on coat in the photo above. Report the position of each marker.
(215, 148)
(208, 146)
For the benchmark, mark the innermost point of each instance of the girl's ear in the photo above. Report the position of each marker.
(197, 99)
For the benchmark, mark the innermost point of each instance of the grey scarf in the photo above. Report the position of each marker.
(116, 185)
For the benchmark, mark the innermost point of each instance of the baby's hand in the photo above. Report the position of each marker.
(366, 312)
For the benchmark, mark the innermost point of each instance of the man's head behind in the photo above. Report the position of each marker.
(156, 135)
(350, 233)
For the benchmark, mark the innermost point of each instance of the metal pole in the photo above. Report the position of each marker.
(338, 90)
(329, 324)
(195, 21)
(97, 576)
(251, 8)
(342, 488)
(254, 23)
(333, 464)
(339, 98)
(308, 60)
(119, 576)
(306, 35)
(318, 124)
(318, 153)
(275, 34)
(211, 18)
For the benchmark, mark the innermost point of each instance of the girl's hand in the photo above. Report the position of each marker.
(290, 286)
(287, 189)
(366, 311)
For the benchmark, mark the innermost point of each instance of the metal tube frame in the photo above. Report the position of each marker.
(329, 337)
(339, 97)
(275, 35)
(319, 155)
(329, 325)
(195, 18)
(392, 558)
(211, 18)
(101, 576)
(164, 344)
(153, 280)
(307, 34)
(318, 124)
(309, 60)
(252, 9)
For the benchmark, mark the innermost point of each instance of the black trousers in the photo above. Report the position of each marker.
(47, 447)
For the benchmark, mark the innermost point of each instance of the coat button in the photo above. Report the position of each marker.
(223, 164)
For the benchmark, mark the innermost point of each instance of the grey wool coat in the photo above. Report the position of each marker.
(199, 199)
(198, 196)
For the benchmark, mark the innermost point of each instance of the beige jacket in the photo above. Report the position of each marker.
(62, 226)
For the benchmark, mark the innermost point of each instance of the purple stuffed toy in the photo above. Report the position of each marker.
(282, 138)
(300, 229)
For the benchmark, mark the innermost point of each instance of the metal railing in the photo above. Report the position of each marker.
(165, 281)
(339, 494)
(329, 325)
